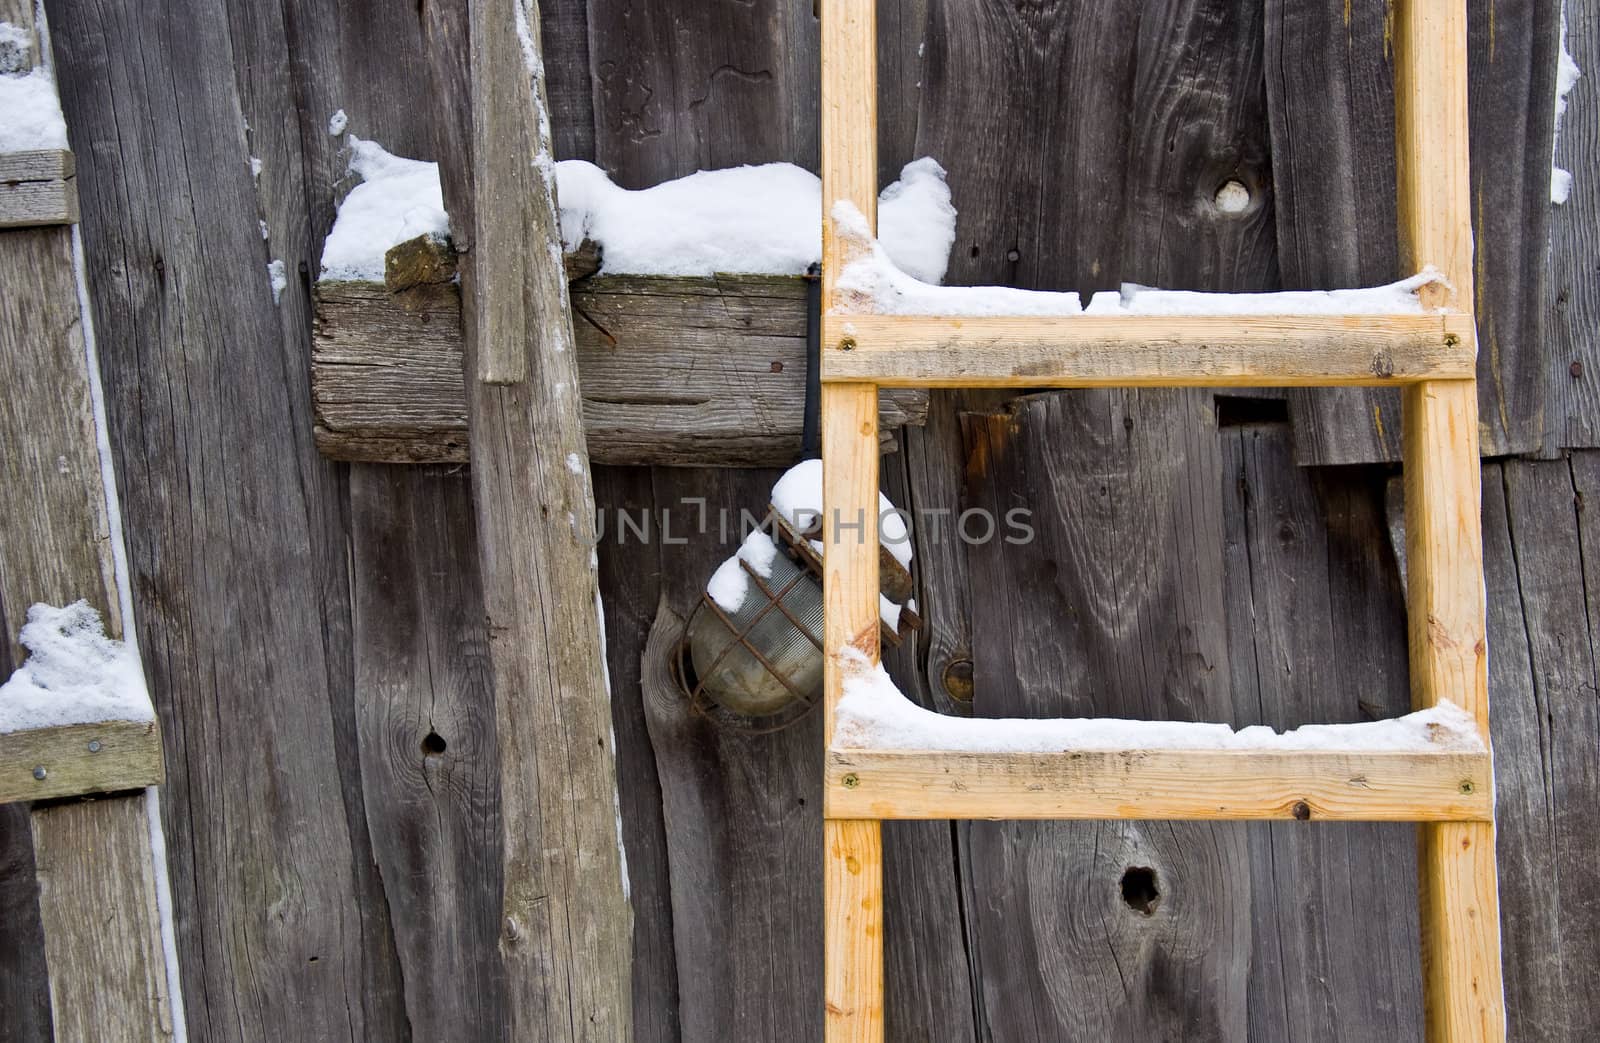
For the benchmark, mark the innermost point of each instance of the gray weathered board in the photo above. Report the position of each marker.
(675, 371)
(37, 188)
(335, 787)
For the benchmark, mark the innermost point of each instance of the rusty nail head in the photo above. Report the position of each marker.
(1576, 369)
(851, 781)
(1302, 810)
(847, 344)
(40, 774)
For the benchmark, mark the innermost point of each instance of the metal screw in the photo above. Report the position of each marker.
(1301, 810)
(94, 745)
(847, 344)
(1576, 369)
(1451, 340)
(851, 781)
(40, 774)
(1466, 786)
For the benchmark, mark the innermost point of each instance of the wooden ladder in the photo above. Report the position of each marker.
(1432, 356)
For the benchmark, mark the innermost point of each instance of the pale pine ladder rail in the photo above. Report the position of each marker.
(1432, 357)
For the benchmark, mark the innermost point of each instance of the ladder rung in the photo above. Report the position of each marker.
(1149, 351)
(1377, 786)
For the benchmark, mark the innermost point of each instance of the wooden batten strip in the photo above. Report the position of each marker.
(1148, 351)
(79, 759)
(1160, 784)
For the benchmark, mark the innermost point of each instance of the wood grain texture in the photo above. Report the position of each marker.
(57, 550)
(1463, 997)
(426, 722)
(1114, 608)
(24, 979)
(742, 812)
(852, 888)
(1542, 621)
(1159, 784)
(1331, 116)
(125, 755)
(1572, 299)
(97, 893)
(675, 372)
(237, 544)
(566, 925)
(1090, 351)
(37, 188)
(1316, 634)
(686, 85)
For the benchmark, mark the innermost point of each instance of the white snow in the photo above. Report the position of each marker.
(337, 122)
(872, 283)
(874, 714)
(265, 234)
(255, 166)
(797, 497)
(398, 199)
(879, 285)
(1567, 73)
(729, 584)
(74, 674)
(277, 277)
(753, 219)
(30, 114)
(1396, 298)
(889, 612)
(575, 464)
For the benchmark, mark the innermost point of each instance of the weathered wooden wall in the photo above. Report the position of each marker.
(315, 633)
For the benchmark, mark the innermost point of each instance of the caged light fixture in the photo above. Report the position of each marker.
(751, 656)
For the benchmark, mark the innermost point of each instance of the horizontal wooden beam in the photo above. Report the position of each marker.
(1160, 784)
(37, 188)
(78, 759)
(675, 371)
(1148, 351)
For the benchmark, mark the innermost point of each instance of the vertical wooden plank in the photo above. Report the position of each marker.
(1113, 608)
(97, 890)
(57, 550)
(238, 554)
(1572, 368)
(685, 85)
(852, 851)
(425, 720)
(1444, 553)
(566, 923)
(24, 978)
(1316, 634)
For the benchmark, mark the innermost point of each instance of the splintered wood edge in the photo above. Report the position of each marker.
(1379, 786)
(125, 755)
(1149, 351)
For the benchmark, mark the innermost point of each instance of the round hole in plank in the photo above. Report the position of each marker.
(1140, 890)
(433, 744)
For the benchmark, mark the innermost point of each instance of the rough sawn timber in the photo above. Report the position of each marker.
(675, 371)
(565, 923)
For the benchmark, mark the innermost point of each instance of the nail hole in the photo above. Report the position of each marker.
(1139, 890)
(433, 744)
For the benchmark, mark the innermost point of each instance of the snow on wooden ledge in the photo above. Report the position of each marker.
(74, 674)
(872, 284)
(875, 715)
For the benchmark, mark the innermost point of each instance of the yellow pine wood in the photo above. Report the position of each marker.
(1149, 351)
(853, 890)
(1389, 786)
(1463, 995)
(853, 894)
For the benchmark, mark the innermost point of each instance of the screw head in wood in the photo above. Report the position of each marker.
(1301, 810)
(94, 745)
(847, 344)
(40, 774)
(851, 781)
(1466, 786)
